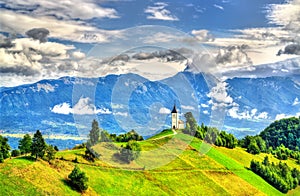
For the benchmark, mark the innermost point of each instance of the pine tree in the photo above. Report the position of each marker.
(94, 133)
(50, 153)
(78, 179)
(25, 144)
(4, 148)
(38, 146)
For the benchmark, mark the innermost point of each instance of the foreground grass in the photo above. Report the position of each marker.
(170, 165)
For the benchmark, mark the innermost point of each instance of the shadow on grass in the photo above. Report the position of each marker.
(118, 159)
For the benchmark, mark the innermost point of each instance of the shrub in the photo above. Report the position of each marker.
(78, 179)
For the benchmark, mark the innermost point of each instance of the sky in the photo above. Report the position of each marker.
(156, 39)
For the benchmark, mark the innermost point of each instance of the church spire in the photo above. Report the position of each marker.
(174, 109)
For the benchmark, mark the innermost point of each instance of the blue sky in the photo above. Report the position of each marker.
(49, 39)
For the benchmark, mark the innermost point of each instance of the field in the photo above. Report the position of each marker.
(171, 164)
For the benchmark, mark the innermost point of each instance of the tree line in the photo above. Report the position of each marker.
(36, 147)
(209, 134)
(127, 152)
(280, 175)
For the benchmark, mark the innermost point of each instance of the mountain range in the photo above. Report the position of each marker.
(65, 107)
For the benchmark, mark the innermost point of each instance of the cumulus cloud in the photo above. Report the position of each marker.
(78, 55)
(219, 96)
(38, 34)
(290, 49)
(203, 35)
(287, 16)
(233, 55)
(164, 110)
(158, 12)
(84, 106)
(74, 30)
(248, 115)
(75, 9)
(167, 55)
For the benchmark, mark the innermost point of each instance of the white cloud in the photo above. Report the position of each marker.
(164, 111)
(187, 107)
(125, 114)
(82, 107)
(296, 101)
(158, 12)
(204, 105)
(286, 15)
(47, 87)
(205, 112)
(249, 115)
(203, 35)
(15, 22)
(218, 7)
(75, 9)
(219, 96)
(78, 55)
(281, 116)
(63, 108)
(161, 37)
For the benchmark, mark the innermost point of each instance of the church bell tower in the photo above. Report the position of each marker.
(174, 118)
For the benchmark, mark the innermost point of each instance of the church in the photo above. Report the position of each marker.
(176, 122)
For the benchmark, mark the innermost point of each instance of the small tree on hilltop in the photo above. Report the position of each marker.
(78, 179)
(94, 133)
(38, 146)
(25, 144)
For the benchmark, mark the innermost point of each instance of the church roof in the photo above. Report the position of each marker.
(174, 109)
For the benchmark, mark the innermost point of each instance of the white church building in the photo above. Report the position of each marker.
(176, 122)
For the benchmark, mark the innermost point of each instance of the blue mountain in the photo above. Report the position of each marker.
(66, 106)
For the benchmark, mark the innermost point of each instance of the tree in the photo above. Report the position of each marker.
(191, 124)
(94, 133)
(15, 153)
(4, 149)
(253, 148)
(130, 152)
(25, 144)
(38, 146)
(50, 153)
(78, 179)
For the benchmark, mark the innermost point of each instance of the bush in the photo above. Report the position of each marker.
(15, 153)
(78, 179)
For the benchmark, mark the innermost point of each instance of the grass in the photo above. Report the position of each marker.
(169, 165)
(162, 134)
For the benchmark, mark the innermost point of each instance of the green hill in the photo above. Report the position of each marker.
(285, 131)
(169, 164)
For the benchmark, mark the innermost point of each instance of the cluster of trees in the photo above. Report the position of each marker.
(280, 176)
(131, 135)
(127, 153)
(36, 146)
(4, 149)
(99, 135)
(283, 153)
(284, 131)
(253, 144)
(209, 134)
